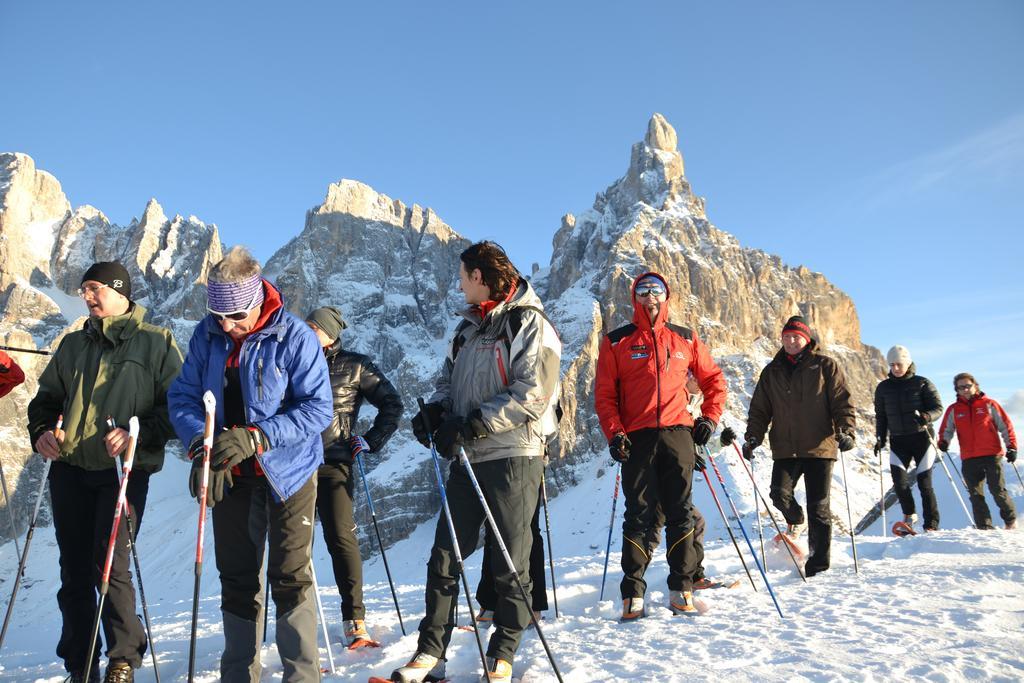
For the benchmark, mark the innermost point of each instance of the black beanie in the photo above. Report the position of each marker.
(113, 275)
(797, 325)
(329, 320)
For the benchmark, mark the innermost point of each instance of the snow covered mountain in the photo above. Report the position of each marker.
(393, 269)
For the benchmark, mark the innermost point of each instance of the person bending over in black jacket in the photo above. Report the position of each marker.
(906, 404)
(354, 378)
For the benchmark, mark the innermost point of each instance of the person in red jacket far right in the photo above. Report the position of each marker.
(978, 422)
(641, 400)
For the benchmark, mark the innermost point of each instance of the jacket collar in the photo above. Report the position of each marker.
(116, 328)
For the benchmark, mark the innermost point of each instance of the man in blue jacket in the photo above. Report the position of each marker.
(265, 367)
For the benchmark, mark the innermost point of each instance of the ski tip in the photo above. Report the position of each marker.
(903, 529)
(361, 643)
(133, 427)
(378, 679)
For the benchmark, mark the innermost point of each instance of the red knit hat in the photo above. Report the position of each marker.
(797, 325)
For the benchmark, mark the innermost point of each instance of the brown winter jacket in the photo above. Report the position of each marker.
(806, 405)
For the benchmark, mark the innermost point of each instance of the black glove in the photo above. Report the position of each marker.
(702, 430)
(426, 422)
(218, 484)
(619, 447)
(748, 447)
(879, 445)
(698, 462)
(234, 445)
(943, 445)
(728, 437)
(845, 440)
(1011, 455)
(455, 432)
(921, 419)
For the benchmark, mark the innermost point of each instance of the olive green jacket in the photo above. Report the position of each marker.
(118, 366)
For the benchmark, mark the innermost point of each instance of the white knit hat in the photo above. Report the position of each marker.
(899, 354)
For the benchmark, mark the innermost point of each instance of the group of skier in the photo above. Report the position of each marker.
(283, 442)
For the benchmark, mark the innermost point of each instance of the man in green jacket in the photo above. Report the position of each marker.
(116, 366)
(803, 396)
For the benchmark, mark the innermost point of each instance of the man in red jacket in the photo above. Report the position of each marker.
(978, 422)
(10, 374)
(641, 401)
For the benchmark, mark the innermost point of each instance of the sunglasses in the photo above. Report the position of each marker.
(650, 290)
(90, 289)
(963, 387)
(237, 316)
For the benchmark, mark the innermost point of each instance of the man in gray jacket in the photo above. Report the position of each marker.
(492, 397)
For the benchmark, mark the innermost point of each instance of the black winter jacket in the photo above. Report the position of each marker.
(354, 377)
(896, 399)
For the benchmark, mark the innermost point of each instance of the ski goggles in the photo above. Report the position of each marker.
(650, 290)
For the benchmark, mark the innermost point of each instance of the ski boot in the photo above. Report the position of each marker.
(356, 635)
(422, 668)
(794, 531)
(681, 602)
(632, 609)
(498, 671)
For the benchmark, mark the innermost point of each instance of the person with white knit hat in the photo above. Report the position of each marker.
(906, 405)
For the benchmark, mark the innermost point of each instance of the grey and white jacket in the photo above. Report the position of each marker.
(507, 365)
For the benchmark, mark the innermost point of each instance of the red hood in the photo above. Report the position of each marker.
(640, 318)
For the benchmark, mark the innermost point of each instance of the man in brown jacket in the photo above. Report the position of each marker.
(803, 396)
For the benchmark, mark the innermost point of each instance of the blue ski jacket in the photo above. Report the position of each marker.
(286, 390)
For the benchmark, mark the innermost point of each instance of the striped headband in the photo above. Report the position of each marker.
(234, 297)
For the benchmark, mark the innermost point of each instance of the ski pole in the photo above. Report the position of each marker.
(508, 559)
(266, 597)
(210, 407)
(952, 482)
(41, 352)
(547, 529)
(451, 533)
(1017, 472)
(28, 540)
(119, 508)
(881, 491)
(380, 543)
(10, 512)
(775, 522)
(728, 527)
(135, 559)
(611, 526)
(849, 513)
(760, 527)
(736, 514)
(320, 610)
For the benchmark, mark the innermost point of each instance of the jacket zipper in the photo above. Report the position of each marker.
(245, 410)
(501, 364)
(657, 376)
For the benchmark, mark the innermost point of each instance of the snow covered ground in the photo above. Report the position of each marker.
(947, 606)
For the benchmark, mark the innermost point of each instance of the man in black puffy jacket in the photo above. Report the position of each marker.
(906, 404)
(354, 378)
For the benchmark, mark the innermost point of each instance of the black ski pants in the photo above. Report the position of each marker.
(699, 525)
(487, 595)
(817, 474)
(83, 503)
(510, 487)
(988, 469)
(658, 473)
(917, 448)
(334, 495)
(241, 524)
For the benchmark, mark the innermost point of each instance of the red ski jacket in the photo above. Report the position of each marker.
(10, 374)
(978, 422)
(642, 371)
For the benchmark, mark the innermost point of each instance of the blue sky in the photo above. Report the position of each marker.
(879, 143)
